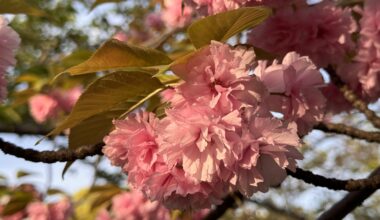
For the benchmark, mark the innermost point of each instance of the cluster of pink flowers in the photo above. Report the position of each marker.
(219, 133)
(9, 42)
(363, 74)
(134, 206)
(43, 107)
(322, 32)
(61, 210)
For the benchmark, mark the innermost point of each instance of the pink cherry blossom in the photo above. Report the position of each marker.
(267, 147)
(133, 141)
(121, 36)
(43, 107)
(61, 210)
(154, 21)
(67, 98)
(9, 42)
(322, 32)
(294, 87)
(218, 133)
(362, 74)
(218, 76)
(174, 15)
(134, 206)
(370, 24)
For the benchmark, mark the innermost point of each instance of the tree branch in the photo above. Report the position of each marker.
(350, 131)
(62, 155)
(349, 202)
(336, 184)
(231, 201)
(354, 99)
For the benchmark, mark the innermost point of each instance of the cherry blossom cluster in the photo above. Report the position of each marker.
(219, 133)
(44, 107)
(9, 42)
(38, 210)
(134, 206)
(363, 73)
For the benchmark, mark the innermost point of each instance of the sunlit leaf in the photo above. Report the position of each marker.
(107, 92)
(116, 55)
(22, 173)
(92, 130)
(19, 7)
(18, 201)
(221, 27)
(54, 191)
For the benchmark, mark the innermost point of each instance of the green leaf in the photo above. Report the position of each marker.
(19, 7)
(116, 55)
(99, 2)
(221, 27)
(109, 91)
(18, 201)
(22, 173)
(55, 191)
(92, 130)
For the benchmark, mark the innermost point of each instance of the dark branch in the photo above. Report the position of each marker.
(231, 201)
(62, 155)
(349, 202)
(350, 131)
(354, 99)
(336, 184)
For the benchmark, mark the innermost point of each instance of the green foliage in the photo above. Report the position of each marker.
(108, 92)
(18, 201)
(221, 27)
(19, 7)
(116, 55)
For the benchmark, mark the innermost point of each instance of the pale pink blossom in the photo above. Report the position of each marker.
(362, 74)
(133, 141)
(218, 76)
(43, 107)
(154, 21)
(103, 215)
(268, 147)
(176, 16)
(9, 42)
(134, 206)
(121, 36)
(218, 6)
(322, 32)
(370, 24)
(295, 90)
(67, 98)
(61, 210)
(175, 190)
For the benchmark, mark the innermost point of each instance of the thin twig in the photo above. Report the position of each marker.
(62, 155)
(349, 131)
(349, 202)
(336, 184)
(354, 99)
